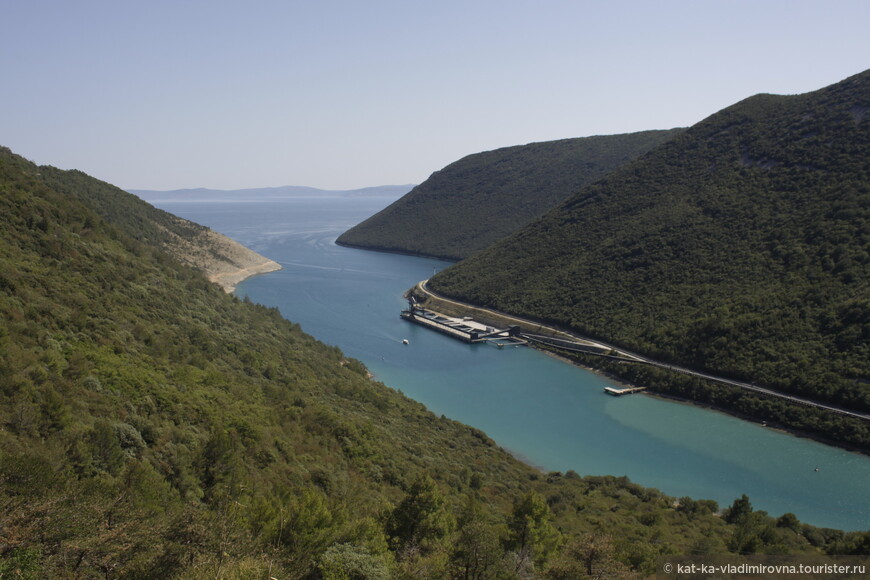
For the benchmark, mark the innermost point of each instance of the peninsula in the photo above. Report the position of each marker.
(223, 260)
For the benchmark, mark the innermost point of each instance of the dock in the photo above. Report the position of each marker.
(465, 329)
(624, 391)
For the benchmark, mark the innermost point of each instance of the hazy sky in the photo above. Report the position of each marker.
(344, 94)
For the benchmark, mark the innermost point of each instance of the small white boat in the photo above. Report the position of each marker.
(405, 341)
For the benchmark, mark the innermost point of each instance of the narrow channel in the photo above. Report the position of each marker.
(550, 413)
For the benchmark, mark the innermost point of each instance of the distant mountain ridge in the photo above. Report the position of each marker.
(267, 193)
(741, 247)
(484, 197)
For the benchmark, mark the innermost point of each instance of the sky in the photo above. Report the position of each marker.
(344, 94)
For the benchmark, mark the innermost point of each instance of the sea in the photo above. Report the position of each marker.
(549, 413)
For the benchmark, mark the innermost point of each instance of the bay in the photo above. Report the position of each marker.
(551, 414)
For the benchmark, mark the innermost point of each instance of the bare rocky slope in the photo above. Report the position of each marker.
(223, 260)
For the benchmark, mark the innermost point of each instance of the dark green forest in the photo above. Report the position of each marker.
(152, 426)
(484, 197)
(740, 247)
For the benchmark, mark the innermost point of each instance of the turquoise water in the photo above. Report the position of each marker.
(550, 413)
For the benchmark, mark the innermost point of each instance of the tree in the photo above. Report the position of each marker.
(738, 510)
(593, 556)
(750, 533)
(532, 535)
(419, 520)
(477, 552)
(306, 529)
(351, 562)
(105, 448)
(790, 521)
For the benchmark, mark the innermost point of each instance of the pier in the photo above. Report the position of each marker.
(624, 391)
(465, 329)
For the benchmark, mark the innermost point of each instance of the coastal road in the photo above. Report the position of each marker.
(637, 358)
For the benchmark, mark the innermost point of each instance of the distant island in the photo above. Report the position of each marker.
(266, 193)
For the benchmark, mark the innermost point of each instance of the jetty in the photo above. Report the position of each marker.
(465, 329)
(623, 391)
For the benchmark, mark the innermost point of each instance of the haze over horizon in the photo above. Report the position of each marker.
(346, 95)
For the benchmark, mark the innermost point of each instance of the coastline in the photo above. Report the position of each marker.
(769, 423)
(396, 251)
(227, 262)
(228, 280)
(221, 259)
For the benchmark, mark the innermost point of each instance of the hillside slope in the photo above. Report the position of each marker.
(223, 260)
(482, 198)
(155, 427)
(740, 247)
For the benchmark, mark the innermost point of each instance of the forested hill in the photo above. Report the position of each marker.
(741, 247)
(482, 198)
(223, 260)
(152, 426)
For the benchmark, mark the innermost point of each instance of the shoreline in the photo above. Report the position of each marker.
(769, 423)
(228, 280)
(221, 259)
(452, 259)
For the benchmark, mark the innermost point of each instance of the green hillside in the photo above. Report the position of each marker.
(480, 199)
(740, 247)
(152, 426)
(219, 257)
